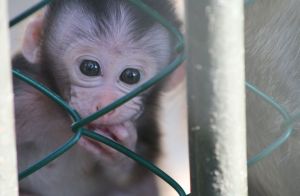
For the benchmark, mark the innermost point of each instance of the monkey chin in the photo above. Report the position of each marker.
(119, 133)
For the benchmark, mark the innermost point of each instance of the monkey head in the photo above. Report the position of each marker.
(93, 57)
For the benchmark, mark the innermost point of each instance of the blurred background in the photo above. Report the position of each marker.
(173, 118)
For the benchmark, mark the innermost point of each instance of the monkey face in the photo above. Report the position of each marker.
(99, 78)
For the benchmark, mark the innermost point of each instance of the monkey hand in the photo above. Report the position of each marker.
(113, 162)
(123, 133)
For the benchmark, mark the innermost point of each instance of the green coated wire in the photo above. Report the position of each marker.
(283, 138)
(52, 156)
(268, 99)
(155, 15)
(292, 120)
(43, 89)
(136, 158)
(28, 12)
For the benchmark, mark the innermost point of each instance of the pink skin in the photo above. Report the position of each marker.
(124, 134)
(117, 125)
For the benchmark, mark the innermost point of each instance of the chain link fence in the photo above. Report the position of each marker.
(79, 123)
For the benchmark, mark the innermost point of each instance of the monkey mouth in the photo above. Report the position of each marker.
(106, 131)
(97, 147)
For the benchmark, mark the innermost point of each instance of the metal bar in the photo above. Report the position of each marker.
(8, 164)
(28, 12)
(216, 97)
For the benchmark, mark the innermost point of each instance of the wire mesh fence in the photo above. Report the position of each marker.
(79, 123)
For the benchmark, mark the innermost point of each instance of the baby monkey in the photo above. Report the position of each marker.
(91, 53)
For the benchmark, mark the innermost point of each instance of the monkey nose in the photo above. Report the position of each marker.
(98, 107)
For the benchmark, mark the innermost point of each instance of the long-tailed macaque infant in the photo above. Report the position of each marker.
(273, 65)
(91, 52)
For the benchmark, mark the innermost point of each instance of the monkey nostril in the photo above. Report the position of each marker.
(98, 107)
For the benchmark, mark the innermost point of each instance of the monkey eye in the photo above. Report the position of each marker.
(130, 76)
(90, 68)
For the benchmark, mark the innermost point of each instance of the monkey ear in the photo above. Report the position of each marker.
(32, 37)
(176, 78)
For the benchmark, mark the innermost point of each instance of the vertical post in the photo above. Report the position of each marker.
(8, 165)
(216, 97)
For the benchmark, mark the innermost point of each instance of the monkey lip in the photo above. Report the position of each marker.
(97, 147)
(106, 131)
